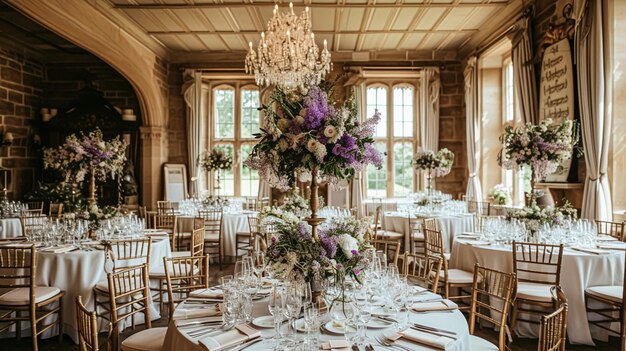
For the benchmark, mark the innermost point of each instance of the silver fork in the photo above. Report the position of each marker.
(391, 344)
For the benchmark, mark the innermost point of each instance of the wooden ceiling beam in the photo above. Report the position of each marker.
(311, 5)
(391, 31)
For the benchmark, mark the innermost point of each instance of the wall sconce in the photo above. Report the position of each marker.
(6, 139)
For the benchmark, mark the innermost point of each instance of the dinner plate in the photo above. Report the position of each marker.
(264, 322)
(299, 325)
(376, 323)
(336, 328)
(381, 311)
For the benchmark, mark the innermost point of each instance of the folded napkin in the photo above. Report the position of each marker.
(615, 246)
(16, 244)
(210, 293)
(480, 243)
(196, 312)
(336, 345)
(155, 233)
(425, 297)
(443, 305)
(59, 249)
(236, 336)
(421, 337)
(590, 250)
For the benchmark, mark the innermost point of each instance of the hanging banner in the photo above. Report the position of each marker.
(556, 96)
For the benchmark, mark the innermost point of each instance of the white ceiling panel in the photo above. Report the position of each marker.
(404, 19)
(169, 20)
(235, 42)
(194, 20)
(217, 19)
(379, 18)
(432, 41)
(429, 19)
(479, 18)
(456, 18)
(372, 41)
(351, 19)
(323, 18)
(411, 41)
(347, 42)
(391, 41)
(213, 42)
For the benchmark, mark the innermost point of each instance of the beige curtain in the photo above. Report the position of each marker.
(429, 109)
(595, 78)
(195, 101)
(357, 185)
(524, 77)
(472, 119)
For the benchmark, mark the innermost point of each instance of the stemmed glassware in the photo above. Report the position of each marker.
(312, 325)
(277, 307)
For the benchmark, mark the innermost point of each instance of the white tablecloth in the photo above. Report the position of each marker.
(450, 225)
(175, 340)
(232, 223)
(10, 228)
(77, 273)
(579, 271)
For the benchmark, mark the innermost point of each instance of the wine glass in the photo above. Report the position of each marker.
(259, 263)
(276, 306)
(293, 304)
(311, 321)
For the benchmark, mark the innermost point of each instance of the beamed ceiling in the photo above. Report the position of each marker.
(356, 30)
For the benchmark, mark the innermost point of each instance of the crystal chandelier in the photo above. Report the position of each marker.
(287, 56)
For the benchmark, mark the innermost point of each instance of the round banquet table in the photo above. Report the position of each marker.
(449, 225)
(579, 271)
(78, 272)
(10, 228)
(177, 340)
(232, 223)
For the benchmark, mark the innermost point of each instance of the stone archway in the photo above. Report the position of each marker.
(80, 23)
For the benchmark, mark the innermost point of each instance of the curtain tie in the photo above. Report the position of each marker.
(472, 175)
(600, 176)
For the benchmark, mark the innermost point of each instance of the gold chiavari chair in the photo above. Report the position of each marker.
(537, 268)
(55, 210)
(265, 202)
(614, 229)
(165, 207)
(380, 233)
(87, 322)
(36, 212)
(22, 300)
(422, 270)
(167, 223)
(35, 205)
(130, 295)
(492, 291)
(213, 232)
(606, 304)
(120, 254)
(32, 223)
(449, 278)
(252, 203)
(416, 226)
(390, 248)
(183, 275)
(553, 330)
(480, 208)
(245, 240)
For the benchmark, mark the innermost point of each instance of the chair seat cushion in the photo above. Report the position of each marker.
(145, 340)
(612, 293)
(20, 296)
(390, 235)
(458, 276)
(182, 269)
(534, 291)
(102, 285)
(417, 236)
(480, 344)
(212, 237)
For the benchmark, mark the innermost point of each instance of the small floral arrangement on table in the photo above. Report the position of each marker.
(217, 159)
(79, 156)
(308, 131)
(543, 147)
(500, 194)
(294, 255)
(534, 216)
(297, 205)
(215, 201)
(439, 163)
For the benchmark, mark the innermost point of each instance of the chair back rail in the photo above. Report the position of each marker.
(183, 275)
(421, 269)
(553, 330)
(537, 263)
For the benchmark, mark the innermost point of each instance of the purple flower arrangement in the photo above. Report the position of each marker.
(295, 256)
(543, 147)
(79, 156)
(309, 131)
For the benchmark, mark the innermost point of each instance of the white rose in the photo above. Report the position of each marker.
(347, 244)
(330, 131)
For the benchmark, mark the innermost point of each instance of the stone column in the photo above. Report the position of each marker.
(153, 156)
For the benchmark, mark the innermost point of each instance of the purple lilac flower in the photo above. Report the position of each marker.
(345, 147)
(317, 108)
(315, 266)
(302, 230)
(339, 266)
(274, 239)
(356, 271)
(368, 128)
(329, 244)
(355, 252)
(373, 156)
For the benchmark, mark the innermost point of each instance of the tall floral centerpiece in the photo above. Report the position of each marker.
(309, 137)
(500, 194)
(215, 161)
(87, 155)
(542, 147)
(433, 164)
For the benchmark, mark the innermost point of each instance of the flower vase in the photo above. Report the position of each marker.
(429, 182)
(313, 220)
(217, 183)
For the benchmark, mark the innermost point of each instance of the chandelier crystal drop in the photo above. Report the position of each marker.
(287, 56)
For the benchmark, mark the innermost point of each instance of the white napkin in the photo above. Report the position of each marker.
(336, 345)
(443, 305)
(480, 243)
(209, 293)
(613, 246)
(59, 249)
(240, 334)
(420, 337)
(209, 311)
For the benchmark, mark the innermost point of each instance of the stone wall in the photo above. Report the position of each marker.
(452, 128)
(20, 94)
(176, 125)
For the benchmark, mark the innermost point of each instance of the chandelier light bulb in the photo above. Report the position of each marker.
(287, 55)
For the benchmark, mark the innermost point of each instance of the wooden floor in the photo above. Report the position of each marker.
(68, 344)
